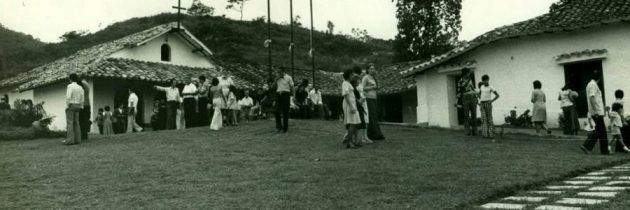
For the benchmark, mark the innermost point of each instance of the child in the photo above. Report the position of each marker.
(99, 120)
(107, 127)
(233, 107)
(616, 124)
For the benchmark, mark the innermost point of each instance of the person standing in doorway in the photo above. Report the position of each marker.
(190, 103)
(74, 102)
(203, 101)
(539, 113)
(108, 128)
(120, 119)
(284, 87)
(132, 111)
(567, 97)
(468, 97)
(86, 112)
(485, 97)
(172, 103)
(596, 112)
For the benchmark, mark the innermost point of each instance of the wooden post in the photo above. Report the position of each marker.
(291, 45)
(312, 49)
(269, 37)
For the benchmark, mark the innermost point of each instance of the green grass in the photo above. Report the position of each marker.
(250, 167)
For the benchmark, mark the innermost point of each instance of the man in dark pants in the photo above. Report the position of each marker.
(172, 103)
(203, 101)
(284, 87)
(596, 111)
(86, 113)
(468, 97)
(190, 104)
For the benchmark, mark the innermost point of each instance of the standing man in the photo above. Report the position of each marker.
(596, 112)
(315, 96)
(284, 87)
(203, 101)
(132, 108)
(86, 112)
(190, 103)
(246, 104)
(468, 98)
(74, 102)
(172, 104)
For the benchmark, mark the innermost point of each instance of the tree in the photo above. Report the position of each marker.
(426, 28)
(70, 35)
(331, 27)
(297, 21)
(236, 5)
(361, 35)
(199, 9)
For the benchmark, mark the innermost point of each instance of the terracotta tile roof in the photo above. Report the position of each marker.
(391, 81)
(567, 16)
(85, 59)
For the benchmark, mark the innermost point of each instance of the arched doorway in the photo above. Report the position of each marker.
(122, 96)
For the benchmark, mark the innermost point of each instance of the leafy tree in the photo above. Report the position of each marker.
(236, 5)
(199, 9)
(297, 21)
(426, 28)
(70, 35)
(331, 27)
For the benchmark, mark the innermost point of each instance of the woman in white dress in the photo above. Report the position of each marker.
(217, 104)
(351, 117)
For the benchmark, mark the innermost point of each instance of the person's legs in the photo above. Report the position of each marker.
(600, 133)
(171, 115)
(84, 118)
(131, 121)
(373, 129)
(77, 125)
(467, 109)
(490, 120)
(203, 112)
(568, 121)
(189, 110)
(286, 106)
(69, 126)
(100, 129)
(484, 119)
(278, 112)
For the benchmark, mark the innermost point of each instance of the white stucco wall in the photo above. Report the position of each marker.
(181, 52)
(54, 98)
(105, 92)
(14, 95)
(513, 65)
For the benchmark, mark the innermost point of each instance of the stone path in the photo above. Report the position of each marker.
(577, 193)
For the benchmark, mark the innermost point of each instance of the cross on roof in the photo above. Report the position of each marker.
(179, 9)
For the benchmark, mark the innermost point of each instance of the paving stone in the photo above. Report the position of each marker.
(553, 207)
(597, 173)
(616, 170)
(502, 206)
(525, 198)
(580, 201)
(608, 188)
(565, 187)
(598, 194)
(593, 177)
(617, 182)
(547, 192)
(580, 182)
(624, 177)
(621, 167)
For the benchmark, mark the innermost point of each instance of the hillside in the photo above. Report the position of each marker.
(230, 40)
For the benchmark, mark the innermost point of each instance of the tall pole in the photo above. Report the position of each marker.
(312, 49)
(269, 37)
(292, 45)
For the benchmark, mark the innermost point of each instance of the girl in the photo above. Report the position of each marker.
(362, 108)
(539, 114)
(351, 117)
(233, 108)
(616, 124)
(108, 128)
(99, 121)
(485, 106)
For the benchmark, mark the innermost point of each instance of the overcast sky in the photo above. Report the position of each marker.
(48, 19)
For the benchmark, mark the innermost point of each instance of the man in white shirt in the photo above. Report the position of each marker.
(172, 104)
(284, 87)
(190, 103)
(132, 107)
(246, 104)
(86, 113)
(595, 103)
(74, 102)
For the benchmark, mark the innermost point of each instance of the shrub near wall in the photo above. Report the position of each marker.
(26, 121)
(20, 133)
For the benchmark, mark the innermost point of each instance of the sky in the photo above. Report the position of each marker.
(49, 19)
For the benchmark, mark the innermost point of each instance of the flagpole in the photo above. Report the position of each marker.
(269, 37)
(291, 45)
(312, 50)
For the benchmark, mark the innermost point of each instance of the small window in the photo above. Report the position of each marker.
(166, 52)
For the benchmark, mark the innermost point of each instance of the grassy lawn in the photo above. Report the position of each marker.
(251, 167)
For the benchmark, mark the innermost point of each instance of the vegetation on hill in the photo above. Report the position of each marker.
(230, 40)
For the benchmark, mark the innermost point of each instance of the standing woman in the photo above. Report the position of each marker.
(539, 113)
(217, 104)
(370, 87)
(108, 118)
(566, 98)
(485, 106)
(363, 110)
(468, 98)
(351, 117)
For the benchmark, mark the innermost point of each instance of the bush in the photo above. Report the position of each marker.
(21, 133)
(24, 113)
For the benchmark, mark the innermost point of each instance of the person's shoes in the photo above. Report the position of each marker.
(351, 146)
(626, 150)
(584, 150)
(367, 141)
(66, 142)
